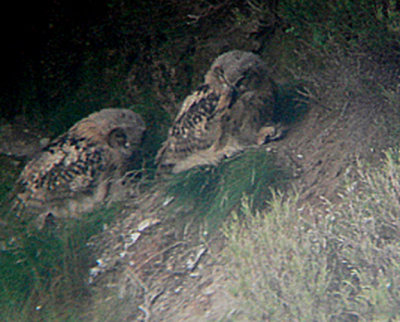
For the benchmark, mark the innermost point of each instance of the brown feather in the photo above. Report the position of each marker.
(222, 116)
(72, 173)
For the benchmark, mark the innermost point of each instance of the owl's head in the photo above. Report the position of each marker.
(241, 70)
(120, 129)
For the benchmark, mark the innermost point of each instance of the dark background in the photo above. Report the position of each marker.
(28, 32)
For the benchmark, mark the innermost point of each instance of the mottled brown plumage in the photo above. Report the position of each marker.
(73, 173)
(223, 116)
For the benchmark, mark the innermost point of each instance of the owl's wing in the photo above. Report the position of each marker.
(196, 126)
(69, 165)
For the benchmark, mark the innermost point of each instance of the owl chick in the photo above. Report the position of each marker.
(73, 173)
(231, 110)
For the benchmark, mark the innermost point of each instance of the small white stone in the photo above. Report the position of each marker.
(131, 239)
(147, 223)
(101, 263)
(94, 271)
(192, 262)
(209, 290)
(168, 200)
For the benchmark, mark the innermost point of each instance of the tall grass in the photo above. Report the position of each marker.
(9, 171)
(370, 24)
(344, 266)
(43, 274)
(213, 192)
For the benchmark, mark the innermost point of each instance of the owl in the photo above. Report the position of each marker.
(74, 172)
(231, 110)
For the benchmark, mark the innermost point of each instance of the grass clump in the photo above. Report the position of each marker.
(8, 173)
(371, 24)
(43, 274)
(213, 192)
(344, 266)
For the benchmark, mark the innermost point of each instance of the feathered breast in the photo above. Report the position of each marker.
(196, 126)
(68, 164)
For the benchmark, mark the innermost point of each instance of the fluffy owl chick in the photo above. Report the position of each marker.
(222, 116)
(73, 173)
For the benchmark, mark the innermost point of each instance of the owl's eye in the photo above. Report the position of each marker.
(219, 71)
(117, 138)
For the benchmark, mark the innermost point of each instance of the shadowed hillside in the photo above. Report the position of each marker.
(312, 218)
